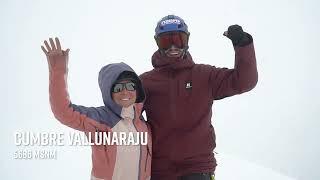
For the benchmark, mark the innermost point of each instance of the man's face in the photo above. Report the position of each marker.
(172, 43)
(124, 93)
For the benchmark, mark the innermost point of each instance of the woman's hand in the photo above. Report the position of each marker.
(56, 57)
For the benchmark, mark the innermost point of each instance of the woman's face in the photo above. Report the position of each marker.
(124, 93)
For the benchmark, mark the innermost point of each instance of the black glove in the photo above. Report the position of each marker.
(238, 36)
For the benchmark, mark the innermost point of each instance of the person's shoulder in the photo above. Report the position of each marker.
(147, 75)
(202, 68)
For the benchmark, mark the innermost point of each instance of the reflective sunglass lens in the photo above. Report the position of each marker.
(118, 88)
(130, 86)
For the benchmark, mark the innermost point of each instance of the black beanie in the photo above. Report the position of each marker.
(128, 75)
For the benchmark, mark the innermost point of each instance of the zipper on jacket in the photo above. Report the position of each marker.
(148, 153)
(139, 154)
(172, 94)
(145, 166)
(172, 110)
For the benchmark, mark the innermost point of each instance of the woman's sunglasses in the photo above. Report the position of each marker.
(118, 87)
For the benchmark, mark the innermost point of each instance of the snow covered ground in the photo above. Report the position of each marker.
(233, 168)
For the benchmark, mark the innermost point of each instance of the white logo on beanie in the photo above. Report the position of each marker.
(170, 21)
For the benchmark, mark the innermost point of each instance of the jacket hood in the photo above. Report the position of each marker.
(108, 75)
(160, 61)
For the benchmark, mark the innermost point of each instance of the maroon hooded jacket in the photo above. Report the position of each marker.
(179, 98)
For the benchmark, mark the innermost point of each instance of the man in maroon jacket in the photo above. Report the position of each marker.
(179, 100)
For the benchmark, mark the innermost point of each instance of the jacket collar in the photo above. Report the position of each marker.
(162, 62)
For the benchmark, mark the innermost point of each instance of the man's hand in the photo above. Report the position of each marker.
(237, 35)
(56, 57)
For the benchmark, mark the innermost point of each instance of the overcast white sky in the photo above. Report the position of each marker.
(275, 127)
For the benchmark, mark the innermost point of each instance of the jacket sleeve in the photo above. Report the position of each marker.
(244, 77)
(61, 106)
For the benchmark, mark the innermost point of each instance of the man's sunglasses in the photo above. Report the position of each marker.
(118, 87)
(178, 39)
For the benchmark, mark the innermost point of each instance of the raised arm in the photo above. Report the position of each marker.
(227, 82)
(59, 98)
